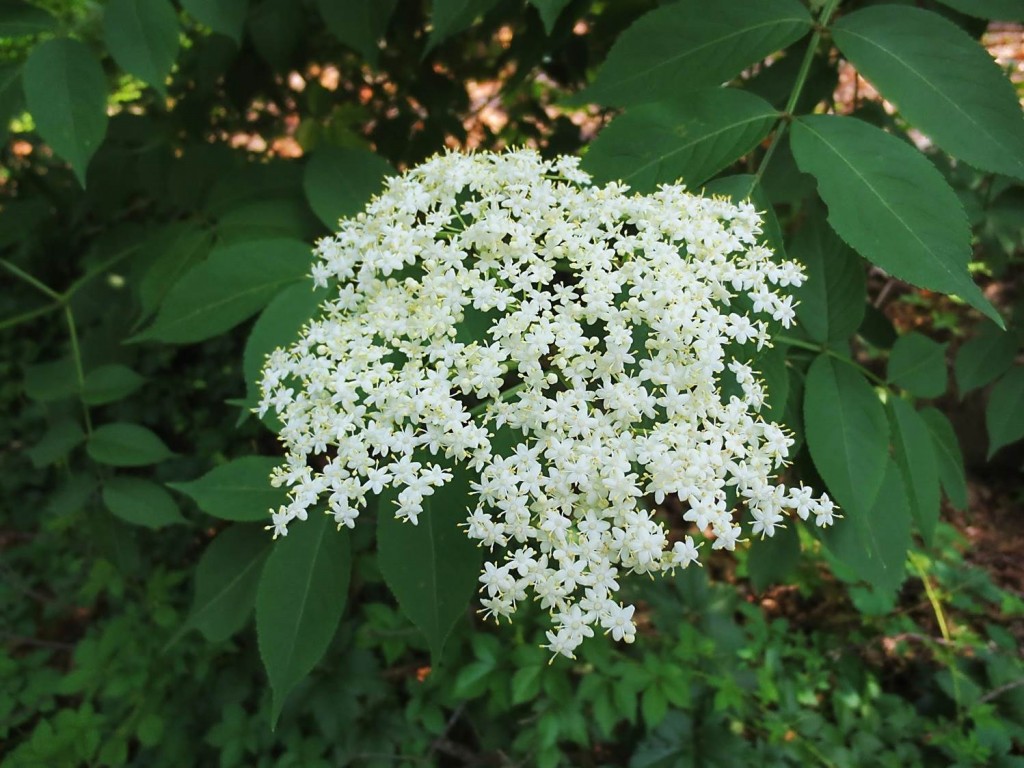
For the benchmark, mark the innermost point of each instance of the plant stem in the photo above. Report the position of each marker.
(798, 87)
(24, 317)
(825, 350)
(79, 372)
(26, 277)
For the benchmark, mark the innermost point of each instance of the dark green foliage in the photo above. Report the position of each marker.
(156, 225)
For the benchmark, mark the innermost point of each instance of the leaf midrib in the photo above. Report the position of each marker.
(643, 74)
(881, 198)
(979, 126)
(703, 138)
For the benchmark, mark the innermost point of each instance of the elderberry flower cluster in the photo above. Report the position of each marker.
(578, 349)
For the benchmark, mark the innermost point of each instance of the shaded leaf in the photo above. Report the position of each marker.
(918, 364)
(58, 441)
(1004, 415)
(299, 603)
(950, 459)
(126, 445)
(277, 326)
(233, 284)
(10, 97)
(832, 299)
(266, 219)
(239, 490)
(874, 543)
(276, 28)
(18, 19)
(690, 44)
(431, 567)
(224, 16)
(140, 502)
(941, 80)
(359, 24)
(52, 380)
(846, 432)
(339, 182)
(227, 577)
(916, 457)
(449, 17)
(1003, 10)
(549, 11)
(984, 358)
(142, 36)
(109, 383)
(889, 203)
(179, 247)
(66, 92)
(772, 559)
(690, 139)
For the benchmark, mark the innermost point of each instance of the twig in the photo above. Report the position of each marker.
(995, 692)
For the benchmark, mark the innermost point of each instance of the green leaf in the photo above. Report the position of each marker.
(232, 285)
(449, 17)
(224, 16)
(142, 36)
(339, 182)
(10, 96)
(690, 44)
(239, 490)
(66, 92)
(947, 451)
(772, 559)
(301, 596)
(942, 82)
(918, 364)
(140, 502)
(549, 11)
(846, 432)
(359, 24)
(266, 219)
(689, 139)
(984, 358)
(179, 247)
(526, 683)
(276, 28)
(109, 383)
(1004, 415)
(18, 19)
(59, 440)
(1003, 10)
(431, 567)
(277, 326)
(227, 577)
(126, 445)
(916, 457)
(889, 203)
(874, 543)
(832, 299)
(52, 380)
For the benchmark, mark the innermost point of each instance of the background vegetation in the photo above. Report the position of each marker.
(166, 167)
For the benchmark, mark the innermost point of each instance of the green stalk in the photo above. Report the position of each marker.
(822, 349)
(26, 277)
(79, 372)
(798, 87)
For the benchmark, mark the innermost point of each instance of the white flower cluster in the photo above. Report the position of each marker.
(567, 343)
